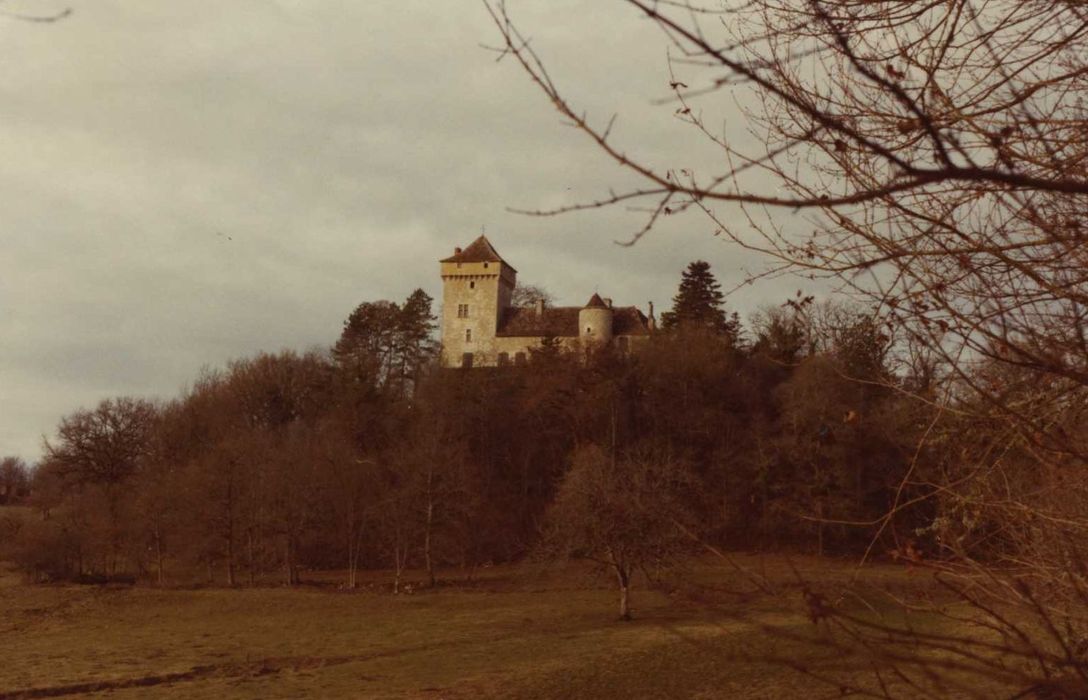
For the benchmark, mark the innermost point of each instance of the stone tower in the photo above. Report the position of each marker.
(476, 288)
(595, 321)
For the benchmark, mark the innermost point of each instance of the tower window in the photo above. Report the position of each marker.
(472, 285)
(468, 335)
(589, 331)
(504, 359)
(485, 266)
(466, 360)
(462, 311)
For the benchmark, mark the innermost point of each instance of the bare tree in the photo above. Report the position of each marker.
(396, 524)
(940, 149)
(626, 514)
(104, 445)
(938, 152)
(351, 487)
(435, 467)
(526, 295)
(14, 479)
(96, 453)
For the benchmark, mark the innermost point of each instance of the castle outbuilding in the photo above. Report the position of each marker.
(480, 327)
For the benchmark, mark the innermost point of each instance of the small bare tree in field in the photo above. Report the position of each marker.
(936, 152)
(621, 514)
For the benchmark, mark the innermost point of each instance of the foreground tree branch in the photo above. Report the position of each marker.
(938, 150)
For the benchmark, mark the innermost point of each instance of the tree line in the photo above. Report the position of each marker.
(781, 434)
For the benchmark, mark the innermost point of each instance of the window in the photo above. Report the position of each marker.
(485, 266)
(462, 311)
(472, 285)
(466, 360)
(468, 335)
(519, 359)
(504, 359)
(589, 331)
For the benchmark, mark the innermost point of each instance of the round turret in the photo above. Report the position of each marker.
(595, 321)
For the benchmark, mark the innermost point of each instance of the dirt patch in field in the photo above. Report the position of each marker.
(248, 669)
(251, 669)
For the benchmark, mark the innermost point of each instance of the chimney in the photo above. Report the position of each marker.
(456, 251)
(540, 307)
(608, 302)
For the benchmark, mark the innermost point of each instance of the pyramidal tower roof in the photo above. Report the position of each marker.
(480, 250)
(596, 302)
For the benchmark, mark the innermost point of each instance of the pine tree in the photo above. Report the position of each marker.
(387, 344)
(698, 303)
(416, 344)
(366, 349)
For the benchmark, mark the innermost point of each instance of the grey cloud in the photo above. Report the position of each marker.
(184, 183)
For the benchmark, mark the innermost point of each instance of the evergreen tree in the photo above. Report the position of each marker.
(386, 344)
(416, 343)
(366, 348)
(698, 303)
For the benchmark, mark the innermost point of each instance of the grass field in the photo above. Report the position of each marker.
(515, 633)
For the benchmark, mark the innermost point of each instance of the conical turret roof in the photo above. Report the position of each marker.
(596, 302)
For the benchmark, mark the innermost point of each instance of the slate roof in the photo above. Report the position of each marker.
(480, 250)
(526, 322)
(562, 322)
(628, 320)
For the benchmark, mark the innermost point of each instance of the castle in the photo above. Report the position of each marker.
(480, 327)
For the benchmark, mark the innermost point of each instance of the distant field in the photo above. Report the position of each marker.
(517, 633)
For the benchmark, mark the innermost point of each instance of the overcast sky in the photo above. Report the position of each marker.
(182, 183)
